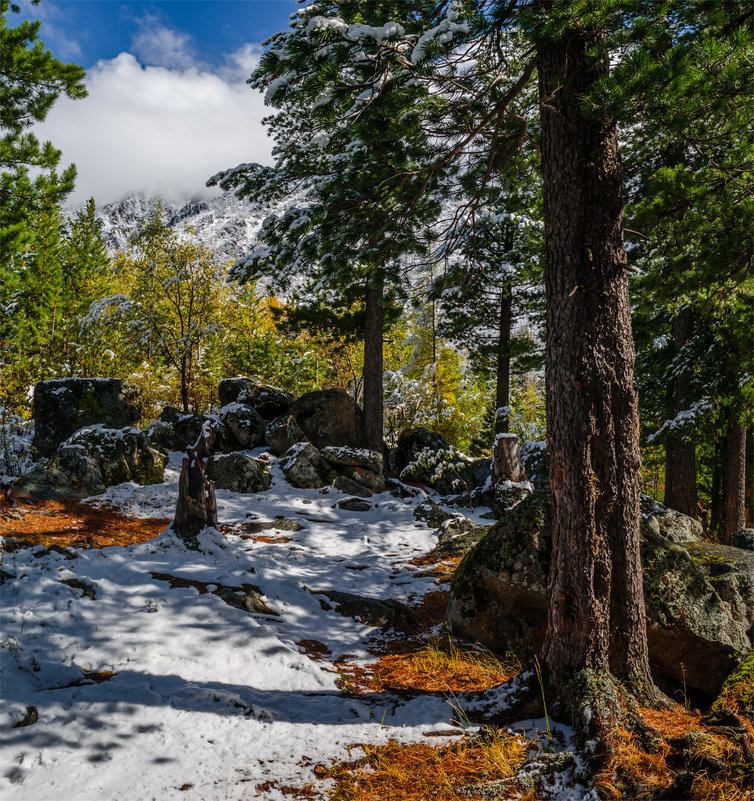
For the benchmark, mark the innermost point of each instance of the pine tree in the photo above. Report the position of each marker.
(689, 161)
(32, 79)
(467, 70)
(347, 232)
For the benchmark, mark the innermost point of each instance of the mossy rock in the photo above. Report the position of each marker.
(737, 694)
(123, 454)
(498, 592)
(238, 473)
(64, 405)
(69, 473)
(499, 598)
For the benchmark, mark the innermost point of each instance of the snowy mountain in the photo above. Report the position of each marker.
(224, 224)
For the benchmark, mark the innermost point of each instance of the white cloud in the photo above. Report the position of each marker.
(159, 46)
(158, 129)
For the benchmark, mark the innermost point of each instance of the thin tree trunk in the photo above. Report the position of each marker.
(717, 494)
(373, 389)
(735, 476)
(596, 619)
(680, 454)
(502, 389)
(184, 386)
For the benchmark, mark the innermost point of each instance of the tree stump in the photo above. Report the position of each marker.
(197, 506)
(506, 460)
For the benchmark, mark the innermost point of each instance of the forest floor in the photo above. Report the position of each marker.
(132, 668)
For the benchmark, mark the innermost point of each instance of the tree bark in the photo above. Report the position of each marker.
(735, 476)
(502, 390)
(373, 389)
(197, 506)
(596, 619)
(680, 453)
(184, 386)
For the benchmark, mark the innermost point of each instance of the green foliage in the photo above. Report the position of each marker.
(56, 278)
(32, 79)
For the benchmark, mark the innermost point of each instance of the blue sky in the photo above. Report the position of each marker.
(168, 105)
(86, 31)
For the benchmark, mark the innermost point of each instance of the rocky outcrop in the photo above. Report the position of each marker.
(238, 473)
(65, 405)
(244, 424)
(351, 487)
(282, 433)
(353, 457)
(731, 572)
(175, 431)
(499, 597)
(122, 454)
(410, 444)
(69, 473)
(304, 467)
(269, 402)
(360, 465)
(329, 417)
(743, 539)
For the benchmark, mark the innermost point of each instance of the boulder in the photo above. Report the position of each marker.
(410, 444)
(269, 402)
(282, 433)
(279, 524)
(123, 454)
(374, 482)
(65, 405)
(481, 470)
(238, 473)
(69, 473)
(737, 694)
(731, 572)
(351, 487)
(353, 457)
(372, 611)
(423, 457)
(329, 417)
(230, 388)
(675, 526)
(305, 468)
(456, 537)
(499, 598)
(244, 424)
(446, 472)
(176, 431)
(743, 539)
(354, 505)
(431, 514)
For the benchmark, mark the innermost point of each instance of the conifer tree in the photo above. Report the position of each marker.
(467, 69)
(32, 79)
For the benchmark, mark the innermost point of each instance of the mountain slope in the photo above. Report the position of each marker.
(224, 224)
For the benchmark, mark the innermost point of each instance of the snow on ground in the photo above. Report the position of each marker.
(207, 701)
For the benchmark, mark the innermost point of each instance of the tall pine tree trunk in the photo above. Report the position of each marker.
(735, 476)
(373, 389)
(502, 390)
(680, 454)
(596, 620)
